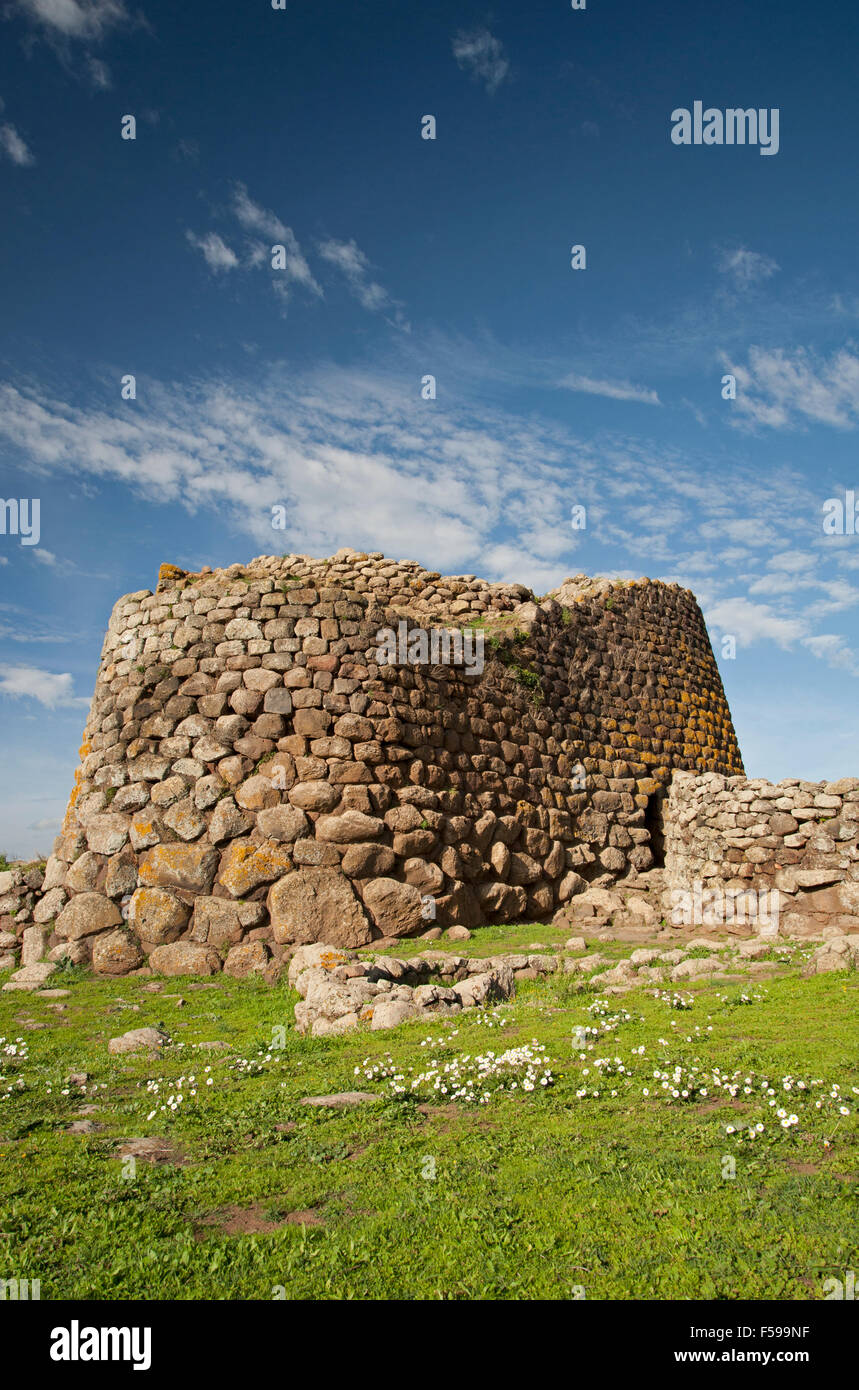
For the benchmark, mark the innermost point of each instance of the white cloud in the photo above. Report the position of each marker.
(255, 218)
(356, 458)
(615, 390)
(32, 683)
(15, 147)
(75, 19)
(481, 54)
(217, 254)
(752, 622)
(745, 267)
(349, 259)
(48, 823)
(780, 389)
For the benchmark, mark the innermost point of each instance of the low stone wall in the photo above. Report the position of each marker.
(730, 836)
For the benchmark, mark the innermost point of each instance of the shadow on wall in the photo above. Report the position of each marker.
(653, 824)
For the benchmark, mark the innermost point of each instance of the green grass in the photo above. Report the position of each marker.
(534, 1193)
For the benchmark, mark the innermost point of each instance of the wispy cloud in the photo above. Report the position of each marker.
(780, 389)
(33, 683)
(615, 390)
(350, 260)
(260, 221)
(357, 458)
(482, 55)
(745, 268)
(73, 27)
(87, 20)
(219, 257)
(15, 147)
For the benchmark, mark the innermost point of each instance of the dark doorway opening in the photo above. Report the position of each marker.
(653, 826)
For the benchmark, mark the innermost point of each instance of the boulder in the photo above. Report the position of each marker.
(86, 914)
(138, 1040)
(314, 796)
(247, 958)
(283, 824)
(31, 977)
(387, 1013)
(396, 908)
(157, 915)
(185, 958)
(217, 922)
(50, 906)
(116, 953)
(316, 956)
(313, 904)
(348, 828)
(191, 867)
(246, 866)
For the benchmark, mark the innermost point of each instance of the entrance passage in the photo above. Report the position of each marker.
(654, 828)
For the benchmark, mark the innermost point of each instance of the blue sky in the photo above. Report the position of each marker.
(406, 257)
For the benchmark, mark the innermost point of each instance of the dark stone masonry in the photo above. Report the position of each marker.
(252, 778)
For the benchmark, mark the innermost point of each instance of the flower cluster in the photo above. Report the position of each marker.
(465, 1077)
(252, 1066)
(608, 1022)
(10, 1053)
(674, 1000)
(176, 1093)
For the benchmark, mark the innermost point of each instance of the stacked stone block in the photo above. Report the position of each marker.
(253, 779)
(798, 839)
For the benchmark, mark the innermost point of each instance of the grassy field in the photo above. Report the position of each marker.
(552, 1192)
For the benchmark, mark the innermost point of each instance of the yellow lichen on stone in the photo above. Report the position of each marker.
(168, 574)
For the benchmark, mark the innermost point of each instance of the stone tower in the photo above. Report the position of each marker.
(253, 775)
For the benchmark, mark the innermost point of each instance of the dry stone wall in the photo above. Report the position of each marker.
(794, 845)
(253, 779)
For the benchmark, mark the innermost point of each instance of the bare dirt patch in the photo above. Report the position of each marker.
(253, 1220)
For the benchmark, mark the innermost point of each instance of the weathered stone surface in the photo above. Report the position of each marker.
(317, 905)
(157, 915)
(368, 861)
(115, 953)
(246, 866)
(31, 977)
(85, 914)
(314, 796)
(247, 958)
(694, 969)
(34, 944)
(348, 828)
(82, 876)
(396, 908)
(283, 824)
(387, 1013)
(228, 822)
(106, 834)
(316, 956)
(185, 958)
(138, 1040)
(191, 867)
(50, 905)
(257, 793)
(217, 922)
(120, 877)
